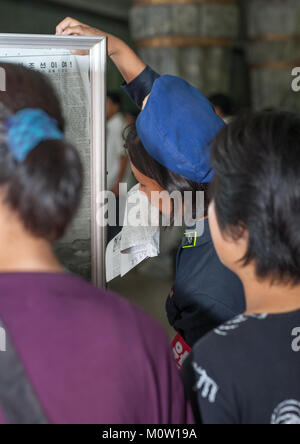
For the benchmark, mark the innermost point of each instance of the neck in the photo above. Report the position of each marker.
(22, 252)
(265, 297)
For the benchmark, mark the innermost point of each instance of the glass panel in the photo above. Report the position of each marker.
(70, 75)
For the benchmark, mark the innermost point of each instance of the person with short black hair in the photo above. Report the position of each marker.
(247, 371)
(75, 354)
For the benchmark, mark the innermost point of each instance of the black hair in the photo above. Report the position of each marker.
(45, 189)
(115, 98)
(166, 179)
(224, 102)
(256, 187)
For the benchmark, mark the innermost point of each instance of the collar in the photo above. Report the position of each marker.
(197, 235)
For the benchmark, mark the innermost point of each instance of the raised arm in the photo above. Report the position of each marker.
(125, 59)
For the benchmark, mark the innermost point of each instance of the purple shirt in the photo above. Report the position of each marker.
(91, 357)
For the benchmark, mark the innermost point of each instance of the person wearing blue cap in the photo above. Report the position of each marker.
(169, 150)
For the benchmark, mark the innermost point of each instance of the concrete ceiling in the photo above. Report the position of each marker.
(111, 8)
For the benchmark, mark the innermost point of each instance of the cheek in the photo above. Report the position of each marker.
(158, 198)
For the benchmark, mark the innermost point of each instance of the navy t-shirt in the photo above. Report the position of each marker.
(206, 293)
(247, 372)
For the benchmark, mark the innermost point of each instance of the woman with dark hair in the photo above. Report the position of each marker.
(72, 353)
(169, 152)
(247, 371)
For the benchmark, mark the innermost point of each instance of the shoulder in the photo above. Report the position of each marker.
(217, 366)
(231, 340)
(197, 236)
(239, 326)
(196, 247)
(201, 273)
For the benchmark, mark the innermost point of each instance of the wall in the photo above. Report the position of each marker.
(41, 17)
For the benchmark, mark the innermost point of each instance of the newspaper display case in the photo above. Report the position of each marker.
(77, 68)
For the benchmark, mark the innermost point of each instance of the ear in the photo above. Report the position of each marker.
(230, 249)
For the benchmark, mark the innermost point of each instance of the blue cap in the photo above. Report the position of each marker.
(177, 126)
(27, 128)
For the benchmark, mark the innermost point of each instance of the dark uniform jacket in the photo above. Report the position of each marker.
(206, 293)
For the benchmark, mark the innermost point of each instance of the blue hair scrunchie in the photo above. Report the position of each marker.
(27, 128)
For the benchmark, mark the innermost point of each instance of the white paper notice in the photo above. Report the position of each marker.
(138, 239)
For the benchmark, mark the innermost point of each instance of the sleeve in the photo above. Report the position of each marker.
(192, 314)
(141, 86)
(198, 304)
(191, 311)
(209, 391)
(179, 408)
